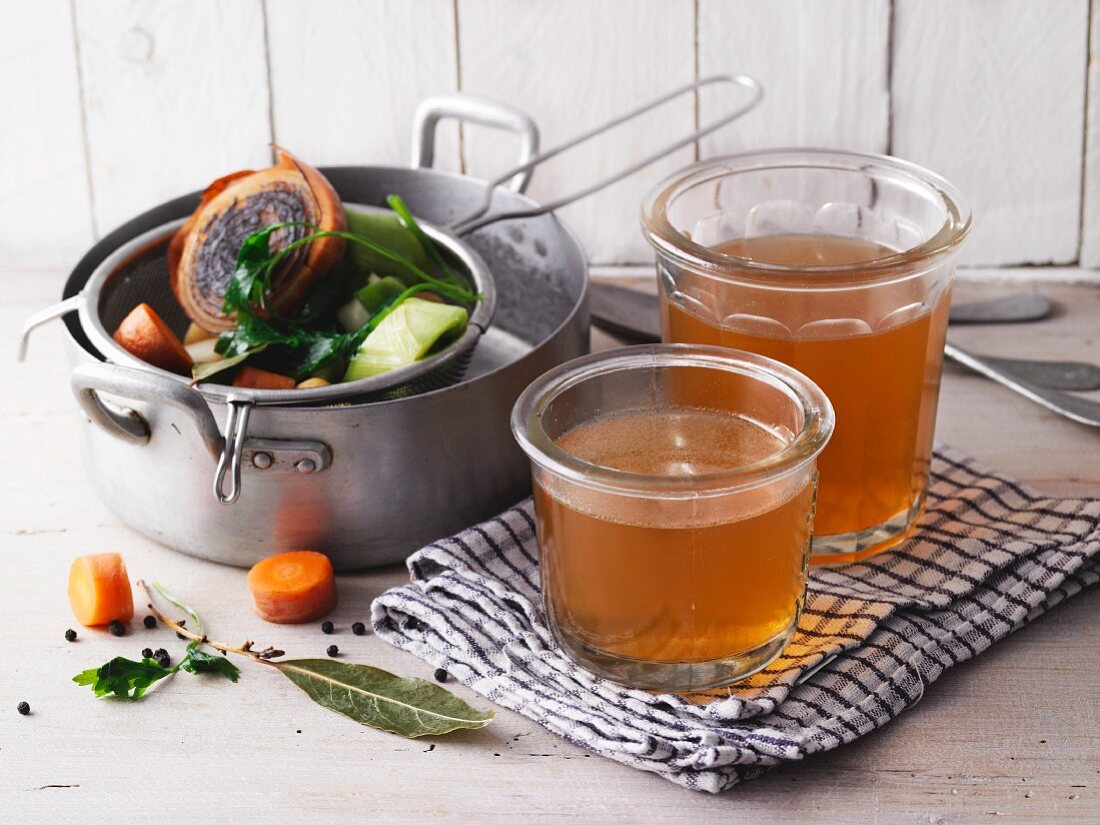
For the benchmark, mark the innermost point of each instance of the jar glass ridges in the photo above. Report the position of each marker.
(840, 265)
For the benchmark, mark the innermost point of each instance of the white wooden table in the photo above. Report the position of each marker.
(1013, 736)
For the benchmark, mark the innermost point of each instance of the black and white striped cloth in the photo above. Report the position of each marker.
(989, 556)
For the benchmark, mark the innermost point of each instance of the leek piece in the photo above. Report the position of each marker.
(202, 351)
(377, 294)
(352, 315)
(406, 335)
(384, 229)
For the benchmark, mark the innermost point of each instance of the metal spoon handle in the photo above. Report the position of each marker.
(1073, 407)
(1074, 376)
(481, 217)
(1010, 309)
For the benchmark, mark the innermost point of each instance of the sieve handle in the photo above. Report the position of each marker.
(44, 316)
(470, 108)
(481, 217)
(89, 380)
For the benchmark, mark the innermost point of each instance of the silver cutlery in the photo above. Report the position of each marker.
(1075, 376)
(1011, 309)
(1073, 407)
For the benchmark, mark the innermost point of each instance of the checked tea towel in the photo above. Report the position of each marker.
(988, 557)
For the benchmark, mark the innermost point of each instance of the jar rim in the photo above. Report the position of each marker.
(817, 420)
(671, 242)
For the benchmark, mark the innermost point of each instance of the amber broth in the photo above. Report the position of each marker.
(883, 382)
(691, 584)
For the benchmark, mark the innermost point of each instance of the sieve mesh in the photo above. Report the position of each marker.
(143, 277)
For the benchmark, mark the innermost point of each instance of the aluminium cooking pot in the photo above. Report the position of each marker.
(367, 482)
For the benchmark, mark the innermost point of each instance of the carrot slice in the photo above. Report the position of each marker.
(144, 335)
(99, 590)
(262, 379)
(294, 587)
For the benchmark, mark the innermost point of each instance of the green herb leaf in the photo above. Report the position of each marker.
(389, 230)
(452, 288)
(374, 697)
(397, 204)
(251, 335)
(199, 661)
(123, 678)
(196, 622)
(251, 281)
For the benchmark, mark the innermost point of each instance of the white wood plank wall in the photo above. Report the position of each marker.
(109, 106)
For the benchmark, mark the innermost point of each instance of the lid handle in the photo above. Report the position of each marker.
(474, 109)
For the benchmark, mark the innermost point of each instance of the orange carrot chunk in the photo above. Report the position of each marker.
(293, 587)
(99, 590)
(144, 335)
(258, 379)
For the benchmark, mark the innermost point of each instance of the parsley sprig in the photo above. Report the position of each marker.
(128, 679)
(305, 344)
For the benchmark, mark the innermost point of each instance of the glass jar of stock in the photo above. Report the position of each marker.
(840, 265)
(674, 496)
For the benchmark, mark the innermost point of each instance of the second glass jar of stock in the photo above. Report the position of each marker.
(840, 265)
(674, 493)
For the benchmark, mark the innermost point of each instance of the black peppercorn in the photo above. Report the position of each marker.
(117, 628)
(326, 627)
(150, 622)
(70, 635)
(147, 653)
(441, 675)
(23, 708)
(332, 650)
(359, 629)
(162, 658)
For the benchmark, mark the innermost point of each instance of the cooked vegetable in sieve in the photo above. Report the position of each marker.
(303, 300)
(143, 334)
(202, 255)
(406, 335)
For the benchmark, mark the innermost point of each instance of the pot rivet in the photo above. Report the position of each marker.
(306, 465)
(261, 461)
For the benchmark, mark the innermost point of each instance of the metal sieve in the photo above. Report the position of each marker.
(138, 271)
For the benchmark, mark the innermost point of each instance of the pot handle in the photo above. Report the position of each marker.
(464, 106)
(88, 380)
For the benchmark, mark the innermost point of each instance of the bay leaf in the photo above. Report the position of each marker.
(379, 699)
